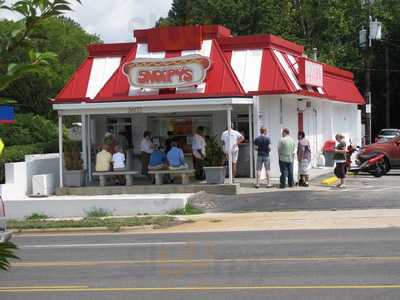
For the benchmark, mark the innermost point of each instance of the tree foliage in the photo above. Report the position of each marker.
(32, 13)
(68, 41)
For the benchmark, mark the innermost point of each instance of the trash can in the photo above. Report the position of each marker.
(329, 162)
(329, 151)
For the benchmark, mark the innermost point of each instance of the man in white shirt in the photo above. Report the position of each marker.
(231, 140)
(199, 152)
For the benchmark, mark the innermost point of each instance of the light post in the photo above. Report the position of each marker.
(373, 31)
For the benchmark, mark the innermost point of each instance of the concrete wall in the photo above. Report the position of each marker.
(77, 206)
(18, 182)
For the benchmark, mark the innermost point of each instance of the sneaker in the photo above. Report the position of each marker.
(269, 185)
(340, 186)
(257, 186)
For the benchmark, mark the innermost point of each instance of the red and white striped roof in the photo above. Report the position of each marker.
(241, 66)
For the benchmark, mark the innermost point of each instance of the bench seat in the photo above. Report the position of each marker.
(184, 173)
(128, 176)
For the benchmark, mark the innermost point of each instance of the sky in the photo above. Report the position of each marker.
(115, 20)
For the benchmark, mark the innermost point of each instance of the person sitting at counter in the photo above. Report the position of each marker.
(158, 159)
(176, 158)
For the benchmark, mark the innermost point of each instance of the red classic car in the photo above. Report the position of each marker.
(389, 148)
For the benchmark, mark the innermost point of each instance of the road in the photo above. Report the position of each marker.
(362, 192)
(328, 264)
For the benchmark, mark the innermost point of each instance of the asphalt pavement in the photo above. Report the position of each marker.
(316, 264)
(362, 192)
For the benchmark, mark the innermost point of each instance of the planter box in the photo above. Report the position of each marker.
(215, 175)
(74, 178)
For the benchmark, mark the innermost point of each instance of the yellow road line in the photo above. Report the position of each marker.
(5, 288)
(202, 288)
(197, 261)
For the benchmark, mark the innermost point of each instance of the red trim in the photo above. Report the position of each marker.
(221, 78)
(272, 76)
(117, 49)
(259, 41)
(211, 32)
(76, 86)
(118, 83)
(283, 72)
(171, 38)
(337, 71)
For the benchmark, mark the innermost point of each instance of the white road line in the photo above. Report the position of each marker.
(53, 246)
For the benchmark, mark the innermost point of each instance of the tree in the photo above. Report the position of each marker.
(33, 12)
(68, 41)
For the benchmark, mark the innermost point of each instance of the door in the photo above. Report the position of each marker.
(300, 121)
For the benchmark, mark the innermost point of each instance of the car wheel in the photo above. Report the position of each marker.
(382, 168)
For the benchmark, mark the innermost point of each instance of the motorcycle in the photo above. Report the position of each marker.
(373, 163)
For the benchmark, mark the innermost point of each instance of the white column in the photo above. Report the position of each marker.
(251, 145)
(60, 148)
(84, 144)
(229, 121)
(89, 147)
(256, 122)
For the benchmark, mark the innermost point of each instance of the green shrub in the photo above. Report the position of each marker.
(29, 129)
(215, 157)
(189, 209)
(37, 216)
(98, 212)
(72, 155)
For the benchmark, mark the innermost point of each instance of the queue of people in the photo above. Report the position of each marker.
(287, 150)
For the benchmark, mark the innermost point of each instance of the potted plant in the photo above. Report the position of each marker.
(214, 162)
(73, 173)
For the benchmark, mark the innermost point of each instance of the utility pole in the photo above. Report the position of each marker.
(387, 59)
(367, 92)
(373, 31)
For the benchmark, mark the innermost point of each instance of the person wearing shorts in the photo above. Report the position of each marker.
(263, 147)
(340, 160)
(231, 140)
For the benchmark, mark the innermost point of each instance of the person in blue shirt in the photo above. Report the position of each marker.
(176, 158)
(158, 159)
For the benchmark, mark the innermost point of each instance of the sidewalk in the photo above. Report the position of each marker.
(298, 220)
(247, 184)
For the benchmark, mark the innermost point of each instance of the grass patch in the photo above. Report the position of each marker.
(113, 224)
(37, 216)
(98, 212)
(189, 209)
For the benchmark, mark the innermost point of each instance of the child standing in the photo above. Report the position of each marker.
(340, 160)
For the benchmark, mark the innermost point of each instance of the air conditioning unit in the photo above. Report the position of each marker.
(43, 184)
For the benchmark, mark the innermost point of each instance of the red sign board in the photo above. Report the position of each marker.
(311, 73)
(174, 72)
